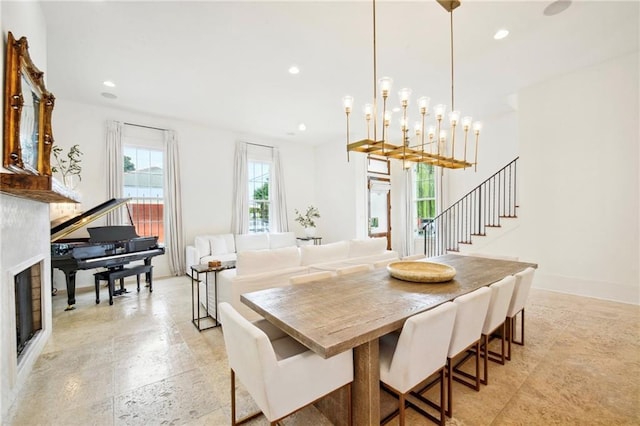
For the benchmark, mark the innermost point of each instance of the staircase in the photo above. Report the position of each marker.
(470, 216)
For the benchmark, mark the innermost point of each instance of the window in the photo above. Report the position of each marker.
(144, 184)
(424, 195)
(259, 173)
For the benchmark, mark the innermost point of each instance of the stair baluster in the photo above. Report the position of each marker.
(482, 207)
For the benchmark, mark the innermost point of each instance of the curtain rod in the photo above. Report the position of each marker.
(143, 126)
(257, 144)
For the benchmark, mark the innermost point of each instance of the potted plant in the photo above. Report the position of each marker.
(67, 165)
(307, 220)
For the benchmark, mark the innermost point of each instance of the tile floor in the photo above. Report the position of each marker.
(142, 362)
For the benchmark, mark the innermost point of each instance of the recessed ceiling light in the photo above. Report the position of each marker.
(109, 83)
(108, 95)
(293, 69)
(302, 127)
(395, 109)
(500, 34)
(556, 7)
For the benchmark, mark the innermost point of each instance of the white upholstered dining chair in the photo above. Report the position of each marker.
(280, 374)
(495, 319)
(521, 290)
(410, 357)
(467, 329)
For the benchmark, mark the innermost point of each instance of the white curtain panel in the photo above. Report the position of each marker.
(115, 168)
(407, 248)
(240, 216)
(174, 236)
(281, 220)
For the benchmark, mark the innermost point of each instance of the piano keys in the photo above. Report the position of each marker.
(110, 247)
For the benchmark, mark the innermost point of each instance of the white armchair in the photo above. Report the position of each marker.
(281, 375)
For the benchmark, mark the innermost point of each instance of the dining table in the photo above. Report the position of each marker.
(353, 311)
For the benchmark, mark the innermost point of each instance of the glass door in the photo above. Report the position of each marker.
(379, 190)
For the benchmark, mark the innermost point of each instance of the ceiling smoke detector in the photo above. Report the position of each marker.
(556, 7)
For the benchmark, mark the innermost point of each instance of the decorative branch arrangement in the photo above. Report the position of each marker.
(68, 166)
(306, 219)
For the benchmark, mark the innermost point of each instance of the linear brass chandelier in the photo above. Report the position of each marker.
(434, 144)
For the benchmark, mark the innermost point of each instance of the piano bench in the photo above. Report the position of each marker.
(111, 275)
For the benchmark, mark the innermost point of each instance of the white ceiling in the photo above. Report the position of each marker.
(224, 64)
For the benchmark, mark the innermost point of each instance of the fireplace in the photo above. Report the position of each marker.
(25, 245)
(28, 300)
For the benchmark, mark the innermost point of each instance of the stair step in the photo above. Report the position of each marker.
(478, 235)
(509, 217)
(493, 226)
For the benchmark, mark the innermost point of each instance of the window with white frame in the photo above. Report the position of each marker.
(424, 195)
(144, 184)
(259, 178)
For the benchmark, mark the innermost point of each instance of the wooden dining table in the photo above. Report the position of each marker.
(352, 311)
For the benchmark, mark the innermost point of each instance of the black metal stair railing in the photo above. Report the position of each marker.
(481, 208)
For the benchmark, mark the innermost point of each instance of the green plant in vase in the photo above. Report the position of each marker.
(307, 220)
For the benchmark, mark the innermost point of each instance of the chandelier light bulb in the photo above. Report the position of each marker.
(443, 135)
(387, 118)
(404, 123)
(347, 102)
(477, 126)
(423, 104)
(404, 96)
(385, 86)
(431, 132)
(368, 111)
(466, 122)
(454, 116)
(439, 111)
(417, 126)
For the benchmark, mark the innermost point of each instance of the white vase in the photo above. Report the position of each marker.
(310, 231)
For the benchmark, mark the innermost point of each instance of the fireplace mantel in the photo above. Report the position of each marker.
(35, 187)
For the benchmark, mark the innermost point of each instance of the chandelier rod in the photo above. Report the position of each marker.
(375, 78)
(451, 44)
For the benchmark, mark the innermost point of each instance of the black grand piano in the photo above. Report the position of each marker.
(109, 247)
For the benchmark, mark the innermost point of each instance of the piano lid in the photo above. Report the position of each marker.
(68, 226)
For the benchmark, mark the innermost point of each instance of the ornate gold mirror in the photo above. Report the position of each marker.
(27, 113)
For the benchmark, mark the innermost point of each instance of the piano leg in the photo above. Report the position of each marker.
(70, 277)
(148, 277)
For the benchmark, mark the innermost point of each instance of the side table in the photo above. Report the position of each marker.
(196, 270)
(316, 240)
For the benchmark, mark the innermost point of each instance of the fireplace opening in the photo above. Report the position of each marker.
(28, 288)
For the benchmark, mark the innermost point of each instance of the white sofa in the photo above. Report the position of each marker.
(224, 247)
(261, 269)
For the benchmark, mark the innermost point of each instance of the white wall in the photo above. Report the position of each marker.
(579, 190)
(340, 192)
(206, 162)
(497, 146)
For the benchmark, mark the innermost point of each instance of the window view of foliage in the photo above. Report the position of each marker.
(259, 203)
(128, 164)
(260, 209)
(425, 195)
